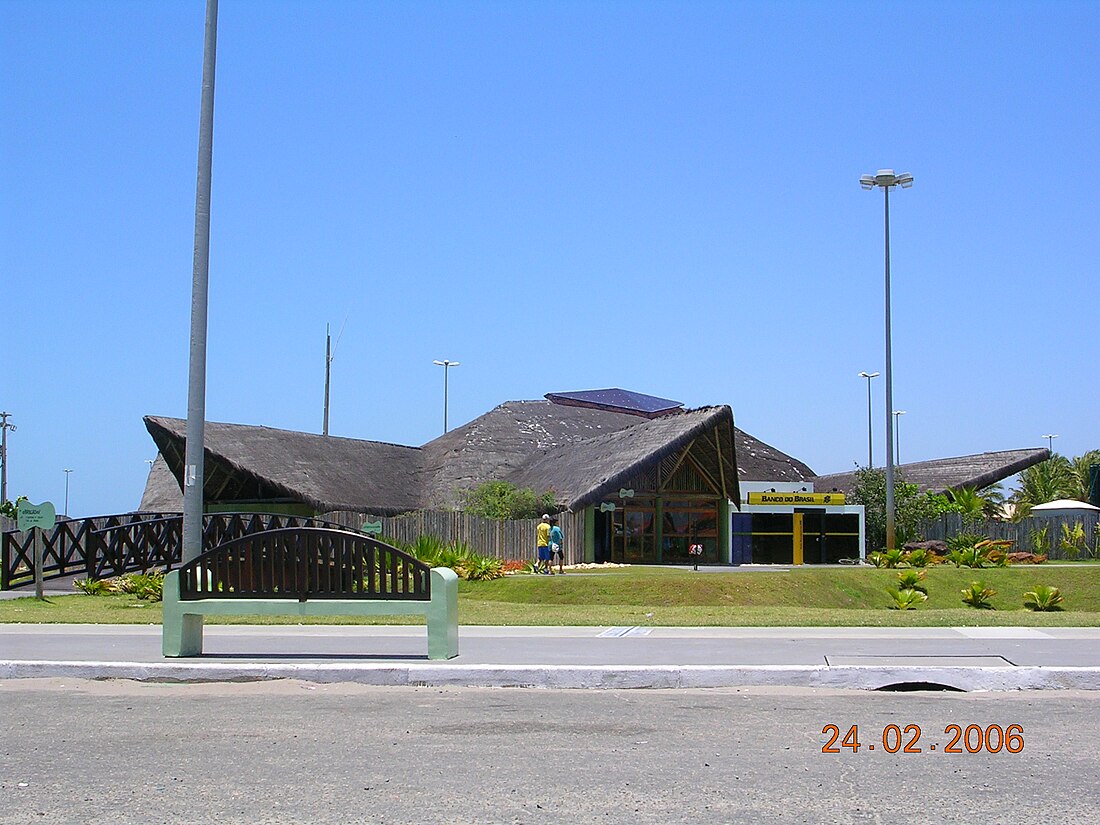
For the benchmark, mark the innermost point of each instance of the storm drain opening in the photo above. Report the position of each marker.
(912, 687)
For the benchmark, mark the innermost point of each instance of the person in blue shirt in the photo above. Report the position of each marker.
(557, 545)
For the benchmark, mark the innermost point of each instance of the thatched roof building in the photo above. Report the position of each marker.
(581, 453)
(977, 471)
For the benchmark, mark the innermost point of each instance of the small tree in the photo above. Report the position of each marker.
(10, 509)
(911, 506)
(505, 501)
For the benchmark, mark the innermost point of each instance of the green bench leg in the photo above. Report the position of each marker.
(443, 615)
(181, 634)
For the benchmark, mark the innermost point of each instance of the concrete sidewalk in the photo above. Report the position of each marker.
(967, 658)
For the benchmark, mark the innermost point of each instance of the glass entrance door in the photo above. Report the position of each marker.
(633, 540)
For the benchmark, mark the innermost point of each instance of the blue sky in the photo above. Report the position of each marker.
(559, 195)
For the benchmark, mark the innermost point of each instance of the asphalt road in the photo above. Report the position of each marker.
(282, 752)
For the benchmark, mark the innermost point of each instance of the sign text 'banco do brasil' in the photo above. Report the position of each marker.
(796, 498)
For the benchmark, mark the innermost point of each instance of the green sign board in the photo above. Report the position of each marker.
(36, 515)
(373, 528)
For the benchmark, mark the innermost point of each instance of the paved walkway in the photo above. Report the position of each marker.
(969, 658)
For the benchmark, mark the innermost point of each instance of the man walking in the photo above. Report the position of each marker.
(557, 546)
(542, 546)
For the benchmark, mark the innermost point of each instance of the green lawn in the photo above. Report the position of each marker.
(661, 596)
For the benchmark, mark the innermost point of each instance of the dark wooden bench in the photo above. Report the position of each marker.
(305, 571)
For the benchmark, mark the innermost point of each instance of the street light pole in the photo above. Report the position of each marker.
(886, 180)
(67, 493)
(1049, 437)
(897, 435)
(5, 425)
(446, 369)
(870, 441)
(193, 473)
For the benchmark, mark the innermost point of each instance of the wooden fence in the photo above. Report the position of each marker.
(489, 537)
(107, 546)
(1037, 534)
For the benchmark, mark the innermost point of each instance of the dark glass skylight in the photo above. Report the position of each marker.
(616, 400)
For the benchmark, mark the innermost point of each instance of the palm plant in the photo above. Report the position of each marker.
(1047, 481)
(969, 502)
(484, 568)
(921, 557)
(964, 541)
(1073, 540)
(978, 595)
(907, 599)
(1079, 468)
(912, 580)
(1043, 598)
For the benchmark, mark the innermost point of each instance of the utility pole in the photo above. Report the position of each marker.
(330, 355)
(4, 427)
(328, 371)
(193, 472)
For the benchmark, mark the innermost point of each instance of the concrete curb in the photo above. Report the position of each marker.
(600, 677)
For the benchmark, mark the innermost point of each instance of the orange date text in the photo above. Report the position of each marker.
(912, 739)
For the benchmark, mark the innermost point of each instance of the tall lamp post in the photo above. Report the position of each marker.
(446, 369)
(67, 492)
(1050, 441)
(870, 441)
(193, 471)
(5, 425)
(886, 180)
(897, 435)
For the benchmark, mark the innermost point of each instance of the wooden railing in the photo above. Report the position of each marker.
(69, 548)
(108, 546)
(305, 563)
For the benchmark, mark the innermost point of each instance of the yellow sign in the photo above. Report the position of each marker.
(796, 498)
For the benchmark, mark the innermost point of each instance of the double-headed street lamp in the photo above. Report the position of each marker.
(1050, 441)
(886, 180)
(870, 442)
(446, 369)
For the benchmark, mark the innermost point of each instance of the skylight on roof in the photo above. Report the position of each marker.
(617, 400)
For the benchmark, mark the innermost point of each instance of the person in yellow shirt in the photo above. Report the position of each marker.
(542, 546)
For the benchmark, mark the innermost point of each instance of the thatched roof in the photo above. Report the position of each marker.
(262, 463)
(580, 453)
(757, 461)
(942, 474)
(585, 471)
(162, 490)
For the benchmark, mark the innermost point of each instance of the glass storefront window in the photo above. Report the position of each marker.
(768, 538)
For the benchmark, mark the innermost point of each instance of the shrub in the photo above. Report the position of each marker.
(1040, 542)
(921, 558)
(148, 586)
(912, 580)
(972, 557)
(887, 558)
(93, 587)
(978, 595)
(484, 568)
(426, 548)
(907, 599)
(503, 500)
(1072, 543)
(1043, 598)
(965, 541)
